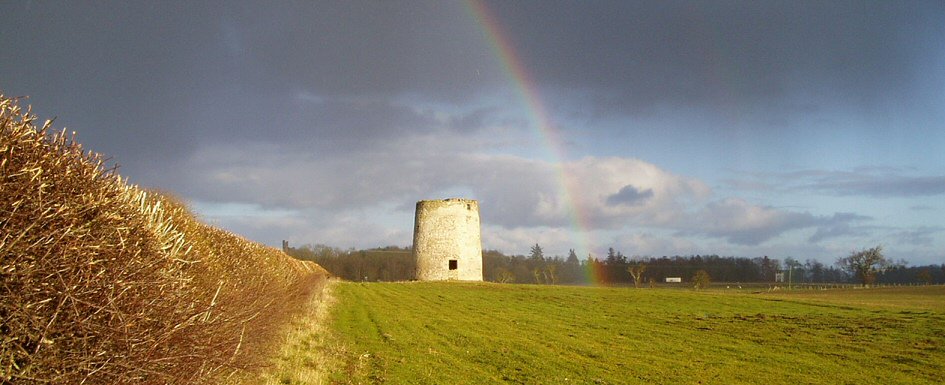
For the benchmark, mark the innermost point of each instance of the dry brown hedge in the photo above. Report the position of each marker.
(105, 283)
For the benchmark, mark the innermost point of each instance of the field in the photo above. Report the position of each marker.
(482, 333)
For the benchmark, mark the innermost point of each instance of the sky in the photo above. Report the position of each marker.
(739, 128)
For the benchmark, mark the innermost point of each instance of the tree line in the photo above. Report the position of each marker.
(393, 263)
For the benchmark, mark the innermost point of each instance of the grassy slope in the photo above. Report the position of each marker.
(425, 333)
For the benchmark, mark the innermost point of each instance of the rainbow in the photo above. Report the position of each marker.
(527, 88)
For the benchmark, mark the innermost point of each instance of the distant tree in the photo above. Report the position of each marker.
(571, 269)
(611, 256)
(614, 267)
(537, 253)
(701, 279)
(924, 276)
(521, 271)
(636, 270)
(815, 270)
(572, 258)
(865, 264)
(592, 267)
(538, 274)
(551, 273)
(769, 267)
(795, 270)
(504, 276)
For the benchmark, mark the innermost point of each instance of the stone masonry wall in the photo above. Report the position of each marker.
(448, 230)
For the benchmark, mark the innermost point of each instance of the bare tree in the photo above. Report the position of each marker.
(701, 279)
(537, 273)
(865, 264)
(504, 276)
(636, 270)
(551, 273)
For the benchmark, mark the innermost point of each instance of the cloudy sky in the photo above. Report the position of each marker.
(791, 128)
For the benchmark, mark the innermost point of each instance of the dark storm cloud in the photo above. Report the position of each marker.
(348, 48)
(630, 196)
(366, 48)
(635, 55)
(147, 84)
(474, 120)
(131, 76)
(122, 75)
(323, 125)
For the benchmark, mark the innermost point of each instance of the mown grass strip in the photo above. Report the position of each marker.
(307, 353)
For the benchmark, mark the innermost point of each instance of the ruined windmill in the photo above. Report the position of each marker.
(446, 240)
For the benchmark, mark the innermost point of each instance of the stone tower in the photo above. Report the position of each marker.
(446, 240)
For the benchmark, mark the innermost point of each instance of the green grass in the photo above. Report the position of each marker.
(480, 333)
(904, 298)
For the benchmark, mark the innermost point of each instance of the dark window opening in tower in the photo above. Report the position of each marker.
(468, 206)
(453, 264)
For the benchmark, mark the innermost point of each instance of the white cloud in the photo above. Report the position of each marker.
(669, 197)
(651, 244)
(744, 223)
(531, 200)
(339, 197)
(741, 222)
(554, 241)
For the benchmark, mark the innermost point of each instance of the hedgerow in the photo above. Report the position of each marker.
(103, 282)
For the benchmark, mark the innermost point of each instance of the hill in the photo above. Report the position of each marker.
(106, 283)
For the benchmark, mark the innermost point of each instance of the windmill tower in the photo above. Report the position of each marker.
(446, 240)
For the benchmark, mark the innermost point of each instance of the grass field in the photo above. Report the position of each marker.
(481, 333)
(919, 298)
